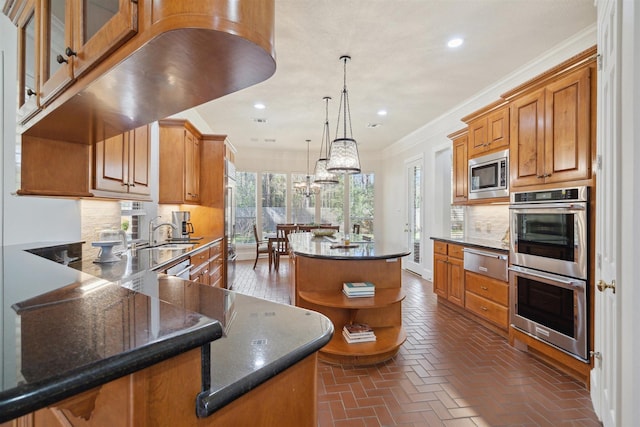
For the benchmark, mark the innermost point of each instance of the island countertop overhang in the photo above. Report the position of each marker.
(305, 244)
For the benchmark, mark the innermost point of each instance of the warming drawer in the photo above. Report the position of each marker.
(487, 263)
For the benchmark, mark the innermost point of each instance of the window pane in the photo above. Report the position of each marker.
(246, 211)
(361, 201)
(97, 14)
(303, 208)
(274, 201)
(332, 209)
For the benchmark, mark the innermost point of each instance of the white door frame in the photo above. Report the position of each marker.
(408, 261)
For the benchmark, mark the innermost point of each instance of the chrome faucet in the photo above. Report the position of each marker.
(153, 228)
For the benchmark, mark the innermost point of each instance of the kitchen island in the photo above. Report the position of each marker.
(148, 349)
(320, 265)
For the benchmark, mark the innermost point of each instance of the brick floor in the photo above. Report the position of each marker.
(450, 372)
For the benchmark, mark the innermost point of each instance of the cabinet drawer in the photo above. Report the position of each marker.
(486, 287)
(489, 310)
(440, 248)
(200, 257)
(215, 249)
(456, 251)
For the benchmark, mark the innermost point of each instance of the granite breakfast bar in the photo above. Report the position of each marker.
(149, 349)
(320, 265)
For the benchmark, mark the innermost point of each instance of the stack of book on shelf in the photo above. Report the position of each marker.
(358, 332)
(358, 289)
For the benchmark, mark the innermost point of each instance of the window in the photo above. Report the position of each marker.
(303, 208)
(361, 201)
(130, 213)
(332, 203)
(274, 201)
(246, 212)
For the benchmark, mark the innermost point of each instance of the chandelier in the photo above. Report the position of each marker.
(343, 155)
(307, 187)
(323, 176)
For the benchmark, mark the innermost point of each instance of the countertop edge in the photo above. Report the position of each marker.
(351, 258)
(470, 243)
(208, 402)
(34, 396)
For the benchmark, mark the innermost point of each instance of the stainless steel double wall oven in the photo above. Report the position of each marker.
(549, 266)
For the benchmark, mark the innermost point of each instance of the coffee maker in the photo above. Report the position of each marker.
(184, 228)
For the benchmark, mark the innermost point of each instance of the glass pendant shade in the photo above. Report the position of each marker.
(307, 187)
(343, 154)
(322, 175)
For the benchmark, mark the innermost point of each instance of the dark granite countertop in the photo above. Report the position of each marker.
(305, 244)
(477, 243)
(60, 336)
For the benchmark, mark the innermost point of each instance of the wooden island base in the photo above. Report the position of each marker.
(316, 284)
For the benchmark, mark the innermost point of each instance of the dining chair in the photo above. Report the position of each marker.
(330, 227)
(262, 247)
(282, 241)
(356, 228)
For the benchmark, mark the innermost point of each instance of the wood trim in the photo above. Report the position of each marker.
(495, 105)
(458, 133)
(583, 58)
(551, 356)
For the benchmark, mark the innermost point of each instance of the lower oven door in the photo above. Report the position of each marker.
(550, 308)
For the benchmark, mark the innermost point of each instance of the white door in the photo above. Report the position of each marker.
(605, 375)
(413, 225)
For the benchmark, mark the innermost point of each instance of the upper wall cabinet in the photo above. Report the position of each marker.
(122, 166)
(94, 69)
(76, 35)
(488, 131)
(551, 134)
(179, 172)
(460, 166)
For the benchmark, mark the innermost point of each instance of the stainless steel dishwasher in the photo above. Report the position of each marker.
(487, 263)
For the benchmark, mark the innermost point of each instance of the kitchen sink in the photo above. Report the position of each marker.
(169, 246)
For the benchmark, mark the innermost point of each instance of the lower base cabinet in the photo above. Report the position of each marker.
(164, 395)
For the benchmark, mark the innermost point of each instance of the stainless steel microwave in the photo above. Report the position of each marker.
(489, 176)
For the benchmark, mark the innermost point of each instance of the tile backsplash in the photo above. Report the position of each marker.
(97, 215)
(487, 222)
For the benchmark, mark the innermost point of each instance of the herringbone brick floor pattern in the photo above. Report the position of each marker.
(450, 372)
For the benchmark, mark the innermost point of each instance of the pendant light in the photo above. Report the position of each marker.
(307, 187)
(322, 175)
(343, 155)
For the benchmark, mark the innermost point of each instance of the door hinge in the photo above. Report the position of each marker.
(599, 162)
(599, 56)
(599, 261)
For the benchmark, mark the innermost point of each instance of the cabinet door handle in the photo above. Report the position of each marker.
(484, 288)
(30, 92)
(61, 59)
(483, 308)
(69, 52)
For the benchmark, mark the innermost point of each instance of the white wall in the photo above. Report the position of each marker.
(26, 219)
(432, 138)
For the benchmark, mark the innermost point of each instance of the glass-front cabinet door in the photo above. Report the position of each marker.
(28, 103)
(56, 68)
(76, 35)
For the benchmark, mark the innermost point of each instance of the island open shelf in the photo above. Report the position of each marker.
(317, 276)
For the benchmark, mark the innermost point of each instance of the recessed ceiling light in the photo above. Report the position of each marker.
(259, 120)
(382, 112)
(455, 42)
(259, 106)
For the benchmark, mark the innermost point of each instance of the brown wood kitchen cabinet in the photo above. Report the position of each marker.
(179, 162)
(71, 38)
(487, 298)
(460, 166)
(488, 130)
(448, 272)
(551, 130)
(121, 165)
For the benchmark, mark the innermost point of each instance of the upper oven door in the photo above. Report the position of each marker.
(550, 237)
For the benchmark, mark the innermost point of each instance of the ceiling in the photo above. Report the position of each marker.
(400, 63)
